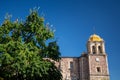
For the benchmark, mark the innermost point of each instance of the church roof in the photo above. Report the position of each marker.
(95, 37)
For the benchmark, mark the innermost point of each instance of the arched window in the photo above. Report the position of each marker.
(99, 49)
(93, 49)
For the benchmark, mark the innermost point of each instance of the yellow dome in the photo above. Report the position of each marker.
(95, 37)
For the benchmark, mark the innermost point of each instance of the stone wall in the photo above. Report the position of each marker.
(69, 68)
(99, 78)
(83, 60)
(84, 67)
(98, 69)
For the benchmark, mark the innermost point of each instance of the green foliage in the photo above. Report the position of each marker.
(23, 47)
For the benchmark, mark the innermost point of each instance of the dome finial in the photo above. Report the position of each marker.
(94, 31)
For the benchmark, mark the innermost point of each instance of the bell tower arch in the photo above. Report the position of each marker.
(95, 45)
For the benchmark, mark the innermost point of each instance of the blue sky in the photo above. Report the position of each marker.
(73, 21)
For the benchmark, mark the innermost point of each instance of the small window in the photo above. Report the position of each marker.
(98, 69)
(71, 65)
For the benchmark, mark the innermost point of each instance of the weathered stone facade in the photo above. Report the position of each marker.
(91, 65)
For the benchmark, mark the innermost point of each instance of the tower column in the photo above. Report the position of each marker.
(96, 45)
(89, 48)
(103, 48)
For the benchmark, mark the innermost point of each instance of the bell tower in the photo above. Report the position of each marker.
(97, 58)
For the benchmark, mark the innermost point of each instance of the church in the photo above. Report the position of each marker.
(91, 65)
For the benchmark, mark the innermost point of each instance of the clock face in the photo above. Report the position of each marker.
(97, 59)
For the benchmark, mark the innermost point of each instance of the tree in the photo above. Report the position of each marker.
(24, 47)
